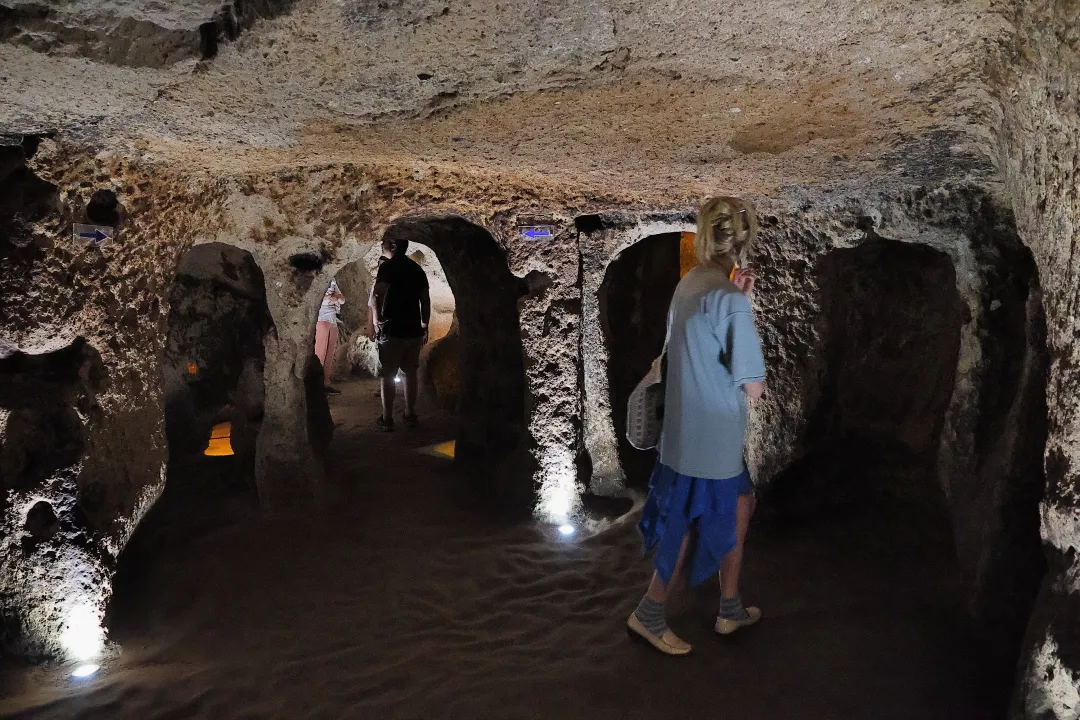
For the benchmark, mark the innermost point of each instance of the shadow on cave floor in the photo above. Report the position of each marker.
(404, 602)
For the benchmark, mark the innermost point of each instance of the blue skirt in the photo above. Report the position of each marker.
(677, 503)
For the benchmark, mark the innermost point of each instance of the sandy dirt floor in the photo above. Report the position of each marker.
(406, 601)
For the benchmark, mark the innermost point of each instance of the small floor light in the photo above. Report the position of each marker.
(85, 671)
(443, 449)
(566, 530)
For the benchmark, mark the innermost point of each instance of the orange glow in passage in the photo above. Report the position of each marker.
(220, 446)
(687, 254)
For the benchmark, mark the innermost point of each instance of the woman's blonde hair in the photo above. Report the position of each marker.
(726, 228)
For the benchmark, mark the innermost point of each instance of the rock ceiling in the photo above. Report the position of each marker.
(654, 100)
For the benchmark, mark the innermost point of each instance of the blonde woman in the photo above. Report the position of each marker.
(700, 495)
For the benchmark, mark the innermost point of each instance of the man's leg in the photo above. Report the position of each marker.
(410, 364)
(410, 393)
(388, 399)
(389, 361)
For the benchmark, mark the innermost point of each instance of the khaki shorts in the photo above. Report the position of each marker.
(399, 354)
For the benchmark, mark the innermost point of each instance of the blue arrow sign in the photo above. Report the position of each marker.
(538, 232)
(95, 234)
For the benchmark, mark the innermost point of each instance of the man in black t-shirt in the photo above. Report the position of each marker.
(401, 307)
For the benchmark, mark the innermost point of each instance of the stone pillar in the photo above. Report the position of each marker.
(289, 470)
(550, 338)
(608, 478)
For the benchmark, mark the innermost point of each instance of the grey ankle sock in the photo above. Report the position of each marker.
(653, 615)
(732, 608)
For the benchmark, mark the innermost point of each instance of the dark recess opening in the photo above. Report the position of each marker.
(307, 262)
(634, 299)
(208, 40)
(891, 319)
(41, 520)
(103, 208)
(588, 223)
(213, 358)
(45, 395)
(24, 200)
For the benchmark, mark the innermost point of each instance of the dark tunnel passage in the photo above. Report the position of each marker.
(634, 299)
(213, 357)
(482, 349)
(890, 326)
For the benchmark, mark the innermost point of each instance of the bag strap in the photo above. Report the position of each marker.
(667, 339)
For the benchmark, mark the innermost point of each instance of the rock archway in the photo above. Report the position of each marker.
(213, 358)
(490, 404)
(634, 299)
(356, 353)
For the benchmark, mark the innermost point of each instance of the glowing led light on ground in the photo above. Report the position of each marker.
(566, 529)
(443, 449)
(83, 637)
(559, 492)
(446, 449)
(85, 671)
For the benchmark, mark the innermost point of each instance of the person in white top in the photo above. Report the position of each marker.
(326, 333)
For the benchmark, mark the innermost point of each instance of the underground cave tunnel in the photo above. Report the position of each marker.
(917, 449)
(212, 366)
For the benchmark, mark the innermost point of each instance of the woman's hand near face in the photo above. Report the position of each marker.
(744, 280)
(754, 390)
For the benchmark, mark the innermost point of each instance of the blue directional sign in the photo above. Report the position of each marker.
(95, 235)
(537, 232)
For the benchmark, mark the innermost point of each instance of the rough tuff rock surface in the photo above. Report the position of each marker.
(1040, 159)
(149, 34)
(874, 138)
(100, 463)
(751, 96)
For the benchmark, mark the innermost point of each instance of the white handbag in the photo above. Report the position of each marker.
(645, 408)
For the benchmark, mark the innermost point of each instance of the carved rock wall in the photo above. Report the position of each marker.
(1040, 158)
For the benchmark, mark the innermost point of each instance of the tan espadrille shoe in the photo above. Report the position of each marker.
(726, 627)
(669, 643)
